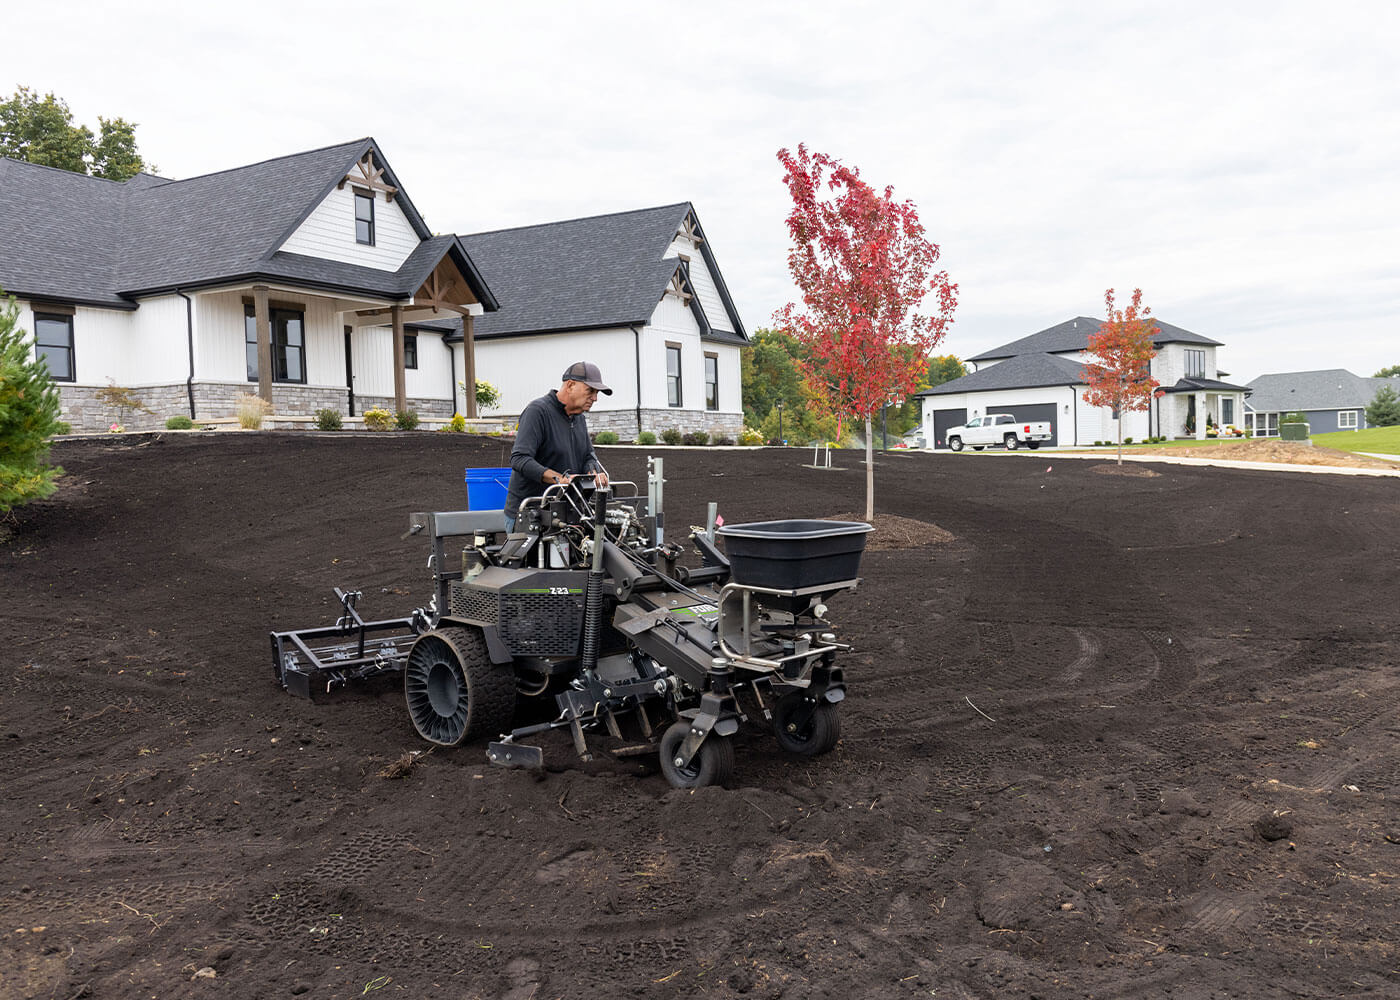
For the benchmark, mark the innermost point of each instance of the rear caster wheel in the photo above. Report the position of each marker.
(713, 764)
(454, 691)
(817, 734)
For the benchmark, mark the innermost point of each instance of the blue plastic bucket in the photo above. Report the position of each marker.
(486, 488)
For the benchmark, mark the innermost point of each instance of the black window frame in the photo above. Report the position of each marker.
(367, 198)
(46, 350)
(712, 384)
(1198, 355)
(674, 394)
(277, 317)
(410, 351)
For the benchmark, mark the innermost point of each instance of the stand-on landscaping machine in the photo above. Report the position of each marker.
(585, 603)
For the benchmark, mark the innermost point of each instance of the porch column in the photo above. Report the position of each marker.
(264, 327)
(469, 364)
(400, 389)
(1200, 416)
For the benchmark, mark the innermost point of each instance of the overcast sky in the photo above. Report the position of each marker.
(1240, 162)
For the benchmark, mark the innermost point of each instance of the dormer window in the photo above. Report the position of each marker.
(364, 218)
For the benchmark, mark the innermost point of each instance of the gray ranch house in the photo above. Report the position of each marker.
(1333, 399)
(1041, 377)
(294, 279)
(639, 293)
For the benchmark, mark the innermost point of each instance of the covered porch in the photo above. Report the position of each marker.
(437, 280)
(1202, 408)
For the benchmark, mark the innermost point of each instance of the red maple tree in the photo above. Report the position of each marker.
(863, 266)
(1124, 344)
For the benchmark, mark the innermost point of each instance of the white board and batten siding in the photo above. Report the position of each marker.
(672, 322)
(329, 233)
(220, 336)
(373, 349)
(132, 348)
(703, 282)
(525, 368)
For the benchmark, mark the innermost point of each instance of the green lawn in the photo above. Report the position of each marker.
(1377, 440)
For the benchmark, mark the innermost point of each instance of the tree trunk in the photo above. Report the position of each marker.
(1120, 437)
(869, 472)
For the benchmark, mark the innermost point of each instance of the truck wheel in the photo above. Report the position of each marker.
(1011, 443)
(454, 691)
(713, 764)
(817, 735)
(955, 444)
(1032, 445)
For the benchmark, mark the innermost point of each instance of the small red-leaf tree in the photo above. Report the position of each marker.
(861, 262)
(1123, 344)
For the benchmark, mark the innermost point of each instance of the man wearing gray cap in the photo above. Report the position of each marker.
(551, 441)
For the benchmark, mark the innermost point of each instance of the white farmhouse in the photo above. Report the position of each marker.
(293, 279)
(1041, 377)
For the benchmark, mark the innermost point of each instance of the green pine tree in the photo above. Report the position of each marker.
(29, 409)
(1384, 410)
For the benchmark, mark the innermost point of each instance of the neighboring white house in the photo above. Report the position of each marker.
(1041, 377)
(1334, 400)
(638, 293)
(292, 278)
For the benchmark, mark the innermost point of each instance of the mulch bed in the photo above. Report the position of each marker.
(1105, 736)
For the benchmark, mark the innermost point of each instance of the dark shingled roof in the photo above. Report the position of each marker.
(1028, 371)
(582, 274)
(1330, 389)
(1073, 335)
(1195, 384)
(88, 240)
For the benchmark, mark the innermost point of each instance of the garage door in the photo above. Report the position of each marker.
(942, 420)
(1035, 411)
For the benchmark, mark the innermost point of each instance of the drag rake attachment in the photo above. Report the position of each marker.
(350, 650)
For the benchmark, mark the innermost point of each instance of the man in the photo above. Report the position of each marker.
(551, 442)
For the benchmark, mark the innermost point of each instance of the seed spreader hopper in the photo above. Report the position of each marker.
(586, 604)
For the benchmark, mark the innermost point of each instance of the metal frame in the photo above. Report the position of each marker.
(296, 661)
(746, 657)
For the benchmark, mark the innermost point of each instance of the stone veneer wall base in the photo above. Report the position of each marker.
(82, 410)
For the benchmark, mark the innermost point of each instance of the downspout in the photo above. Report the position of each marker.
(637, 352)
(189, 336)
(451, 373)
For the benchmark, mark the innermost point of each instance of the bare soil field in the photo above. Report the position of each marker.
(1107, 736)
(1268, 450)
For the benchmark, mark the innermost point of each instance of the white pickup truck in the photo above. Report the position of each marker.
(998, 428)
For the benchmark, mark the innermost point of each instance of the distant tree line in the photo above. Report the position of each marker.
(771, 373)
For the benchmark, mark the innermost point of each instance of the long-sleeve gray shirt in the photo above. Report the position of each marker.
(547, 438)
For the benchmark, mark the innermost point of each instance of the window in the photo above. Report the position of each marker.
(974, 422)
(1195, 363)
(712, 382)
(288, 344)
(364, 218)
(410, 350)
(673, 374)
(1346, 420)
(1227, 410)
(1262, 424)
(53, 342)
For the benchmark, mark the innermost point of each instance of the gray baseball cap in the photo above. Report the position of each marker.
(587, 373)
